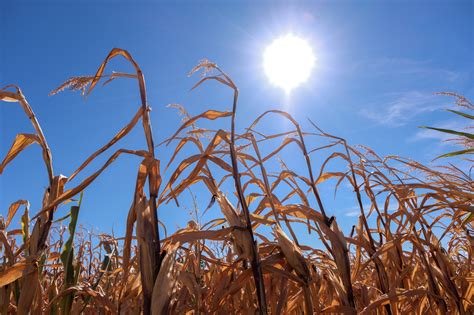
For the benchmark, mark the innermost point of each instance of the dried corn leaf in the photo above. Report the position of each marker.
(22, 141)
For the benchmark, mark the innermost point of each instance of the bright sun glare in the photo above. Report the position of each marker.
(288, 62)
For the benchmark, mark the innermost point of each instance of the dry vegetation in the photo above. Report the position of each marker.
(410, 252)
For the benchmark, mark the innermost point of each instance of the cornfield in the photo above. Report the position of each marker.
(409, 253)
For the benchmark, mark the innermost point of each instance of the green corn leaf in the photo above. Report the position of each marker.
(466, 115)
(67, 255)
(105, 266)
(25, 228)
(67, 258)
(63, 218)
(453, 132)
(461, 152)
(468, 219)
(42, 261)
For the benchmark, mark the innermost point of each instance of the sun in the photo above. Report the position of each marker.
(288, 62)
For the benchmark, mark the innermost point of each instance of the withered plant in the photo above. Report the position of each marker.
(410, 251)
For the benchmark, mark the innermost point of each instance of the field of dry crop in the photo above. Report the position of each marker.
(410, 252)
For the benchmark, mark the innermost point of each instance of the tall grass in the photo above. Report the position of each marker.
(410, 251)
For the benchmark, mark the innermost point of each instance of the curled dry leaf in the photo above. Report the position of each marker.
(21, 142)
(165, 281)
(18, 270)
(292, 254)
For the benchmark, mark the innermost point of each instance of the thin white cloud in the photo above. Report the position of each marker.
(399, 109)
(355, 211)
(420, 69)
(404, 108)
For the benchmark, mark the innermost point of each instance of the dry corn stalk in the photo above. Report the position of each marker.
(400, 263)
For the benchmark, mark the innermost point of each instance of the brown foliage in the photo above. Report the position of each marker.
(410, 253)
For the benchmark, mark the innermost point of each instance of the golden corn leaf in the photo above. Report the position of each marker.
(22, 141)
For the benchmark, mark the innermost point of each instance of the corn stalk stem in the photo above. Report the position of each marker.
(151, 149)
(342, 262)
(268, 191)
(43, 224)
(151, 183)
(255, 261)
(381, 272)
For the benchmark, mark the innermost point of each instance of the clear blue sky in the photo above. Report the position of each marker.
(378, 63)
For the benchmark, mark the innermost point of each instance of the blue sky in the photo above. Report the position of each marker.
(378, 65)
